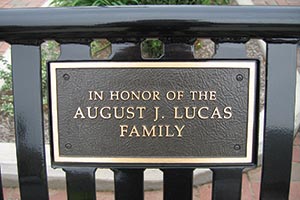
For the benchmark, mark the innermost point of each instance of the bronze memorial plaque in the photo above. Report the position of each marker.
(201, 113)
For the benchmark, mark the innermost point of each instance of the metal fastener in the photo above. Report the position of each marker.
(68, 146)
(239, 77)
(237, 147)
(66, 76)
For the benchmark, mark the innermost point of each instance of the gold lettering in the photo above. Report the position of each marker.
(203, 95)
(124, 129)
(227, 112)
(216, 113)
(180, 95)
(141, 112)
(171, 95)
(90, 95)
(187, 112)
(114, 95)
(116, 112)
(160, 131)
(146, 95)
(156, 95)
(130, 113)
(179, 130)
(193, 93)
(156, 113)
(176, 114)
(94, 95)
(134, 131)
(146, 132)
(167, 131)
(95, 112)
(199, 113)
(125, 95)
(212, 95)
(79, 112)
(151, 131)
(108, 115)
(135, 95)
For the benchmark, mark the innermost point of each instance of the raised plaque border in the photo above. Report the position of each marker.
(252, 127)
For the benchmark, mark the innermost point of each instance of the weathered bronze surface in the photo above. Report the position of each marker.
(153, 112)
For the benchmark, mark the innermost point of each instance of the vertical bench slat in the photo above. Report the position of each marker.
(279, 126)
(81, 183)
(178, 184)
(29, 121)
(227, 183)
(172, 51)
(80, 180)
(129, 184)
(1, 189)
(128, 51)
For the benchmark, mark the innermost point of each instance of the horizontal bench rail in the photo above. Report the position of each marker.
(153, 21)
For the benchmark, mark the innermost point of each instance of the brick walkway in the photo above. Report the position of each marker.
(251, 179)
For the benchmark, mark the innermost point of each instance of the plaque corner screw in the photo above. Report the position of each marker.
(68, 146)
(237, 147)
(66, 76)
(239, 77)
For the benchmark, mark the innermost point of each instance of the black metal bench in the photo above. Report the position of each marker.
(177, 27)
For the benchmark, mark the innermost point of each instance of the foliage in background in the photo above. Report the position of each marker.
(6, 97)
(136, 2)
(100, 49)
(152, 48)
(50, 50)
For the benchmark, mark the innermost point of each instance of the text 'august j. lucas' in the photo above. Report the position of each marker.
(137, 113)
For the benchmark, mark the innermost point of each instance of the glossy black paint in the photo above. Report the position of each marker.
(279, 119)
(227, 183)
(28, 115)
(80, 180)
(149, 21)
(129, 184)
(178, 184)
(80, 183)
(77, 26)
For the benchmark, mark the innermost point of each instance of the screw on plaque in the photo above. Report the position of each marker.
(68, 146)
(66, 76)
(239, 77)
(237, 147)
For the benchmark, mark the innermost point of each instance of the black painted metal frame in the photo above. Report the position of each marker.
(178, 27)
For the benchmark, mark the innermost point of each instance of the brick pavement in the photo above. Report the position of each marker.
(251, 179)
